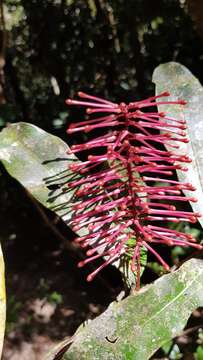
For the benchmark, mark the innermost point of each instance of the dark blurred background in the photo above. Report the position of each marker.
(50, 49)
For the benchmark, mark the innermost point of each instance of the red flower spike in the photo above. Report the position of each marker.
(128, 199)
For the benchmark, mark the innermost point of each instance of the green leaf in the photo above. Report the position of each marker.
(39, 161)
(199, 353)
(2, 302)
(124, 265)
(137, 326)
(182, 84)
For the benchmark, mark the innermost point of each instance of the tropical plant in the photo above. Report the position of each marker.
(112, 199)
(132, 180)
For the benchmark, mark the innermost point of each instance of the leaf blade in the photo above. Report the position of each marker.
(182, 84)
(38, 160)
(137, 326)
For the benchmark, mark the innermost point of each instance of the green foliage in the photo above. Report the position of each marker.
(137, 326)
(156, 268)
(110, 47)
(182, 84)
(199, 350)
(13, 308)
(53, 297)
(199, 353)
(37, 160)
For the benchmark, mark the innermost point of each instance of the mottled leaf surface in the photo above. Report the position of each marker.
(182, 84)
(140, 324)
(39, 161)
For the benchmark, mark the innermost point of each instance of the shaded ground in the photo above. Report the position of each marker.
(46, 305)
(47, 295)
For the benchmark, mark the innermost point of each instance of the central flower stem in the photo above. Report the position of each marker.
(134, 198)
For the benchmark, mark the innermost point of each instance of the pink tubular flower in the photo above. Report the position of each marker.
(132, 194)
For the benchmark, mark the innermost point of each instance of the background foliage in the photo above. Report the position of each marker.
(49, 50)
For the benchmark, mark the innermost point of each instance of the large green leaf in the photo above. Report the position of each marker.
(39, 161)
(140, 324)
(2, 302)
(182, 84)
